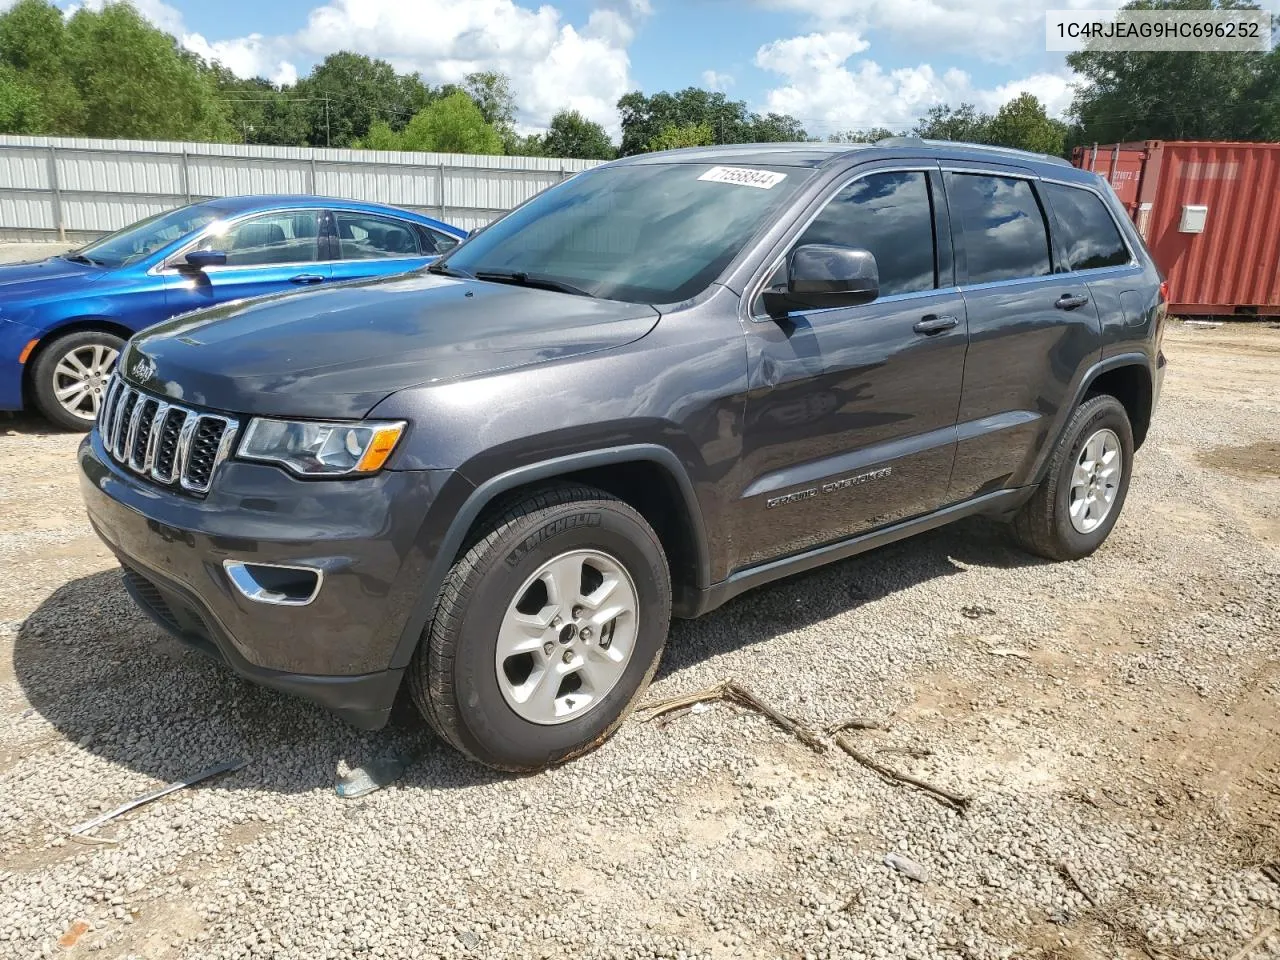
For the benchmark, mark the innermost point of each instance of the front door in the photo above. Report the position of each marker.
(851, 411)
(266, 253)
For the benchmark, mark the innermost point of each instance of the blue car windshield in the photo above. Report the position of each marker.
(645, 232)
(141, 239)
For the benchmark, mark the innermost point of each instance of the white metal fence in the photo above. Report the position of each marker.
(73, 188)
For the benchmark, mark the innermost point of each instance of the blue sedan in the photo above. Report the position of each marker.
(63, 320)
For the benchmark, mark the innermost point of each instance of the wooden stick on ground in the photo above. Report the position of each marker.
(732, 692)
(1064, 869)
(1253, 944)
(946, 796)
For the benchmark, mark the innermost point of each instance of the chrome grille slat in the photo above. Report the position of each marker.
(118, 413)
(165, 442)
(153, 437)
(135, 419)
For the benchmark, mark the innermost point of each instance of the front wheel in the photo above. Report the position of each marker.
(547, 631)
(1079, 500)
(70, 374)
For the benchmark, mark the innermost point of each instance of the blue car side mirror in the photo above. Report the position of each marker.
(199, 259)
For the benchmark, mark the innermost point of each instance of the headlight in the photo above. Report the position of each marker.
(313, 448)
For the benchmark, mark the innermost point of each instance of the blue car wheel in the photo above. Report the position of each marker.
(69, 377)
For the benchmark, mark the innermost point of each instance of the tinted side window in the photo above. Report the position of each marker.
(274, 238)
(1005, 237)
(1089, 235)
(439, 242)
(365, 237)
(890, 215)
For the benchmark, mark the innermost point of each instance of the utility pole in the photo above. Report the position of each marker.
(327, 141)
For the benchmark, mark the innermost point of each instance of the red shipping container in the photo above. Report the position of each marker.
(1209, 212)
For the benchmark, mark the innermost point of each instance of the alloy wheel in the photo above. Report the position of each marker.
(567, 637)
(1095, 481)
(80, 379)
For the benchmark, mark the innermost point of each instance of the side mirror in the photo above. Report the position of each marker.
(199, 259)
(825, 275)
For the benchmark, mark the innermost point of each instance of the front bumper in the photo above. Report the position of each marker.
(365, 535)
(14, 338)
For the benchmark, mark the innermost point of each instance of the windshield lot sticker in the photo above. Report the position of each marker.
(744, 177)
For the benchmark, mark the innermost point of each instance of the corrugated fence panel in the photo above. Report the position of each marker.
(24, 169)
(80, 187)
(234, 176)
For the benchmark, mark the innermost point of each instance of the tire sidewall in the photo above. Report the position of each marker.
(491, 727)
(46, 363)
(1102, 413)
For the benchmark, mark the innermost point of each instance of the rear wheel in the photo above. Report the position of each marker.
(1077, 504)
(548, 629)
(70, 377)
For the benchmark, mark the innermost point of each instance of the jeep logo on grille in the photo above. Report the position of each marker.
(143, 370)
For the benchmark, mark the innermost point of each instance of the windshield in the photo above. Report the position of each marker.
(646, 233)
(145, 237)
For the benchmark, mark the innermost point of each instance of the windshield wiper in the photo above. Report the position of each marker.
(444, 270)
(81, 258)
(522, 279)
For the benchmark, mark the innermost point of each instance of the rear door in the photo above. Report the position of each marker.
(369, 245)
(1094, 250)
(851, 411)
(1033, 326)
(266, 253)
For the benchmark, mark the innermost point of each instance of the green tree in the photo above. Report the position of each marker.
(260, 112)
(381, 137)
(346, 93)
(963, 123)
(1173, 96)
(869, 135)
(452, 124)
(775, 128)
(135, 81)
(573, 135)
(20, 107)
(688, 135)
(1023, 123)
(33, 46)
(646, 119)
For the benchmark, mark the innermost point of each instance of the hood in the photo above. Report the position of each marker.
(55, 275)
(337, 352)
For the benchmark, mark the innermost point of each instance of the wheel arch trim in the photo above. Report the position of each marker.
(1105, 365)
(495, 486)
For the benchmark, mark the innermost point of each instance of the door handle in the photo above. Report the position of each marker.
(1070, 302)
(307, 278)
(931, 324)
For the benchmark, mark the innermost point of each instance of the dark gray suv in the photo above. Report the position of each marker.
(656, 385)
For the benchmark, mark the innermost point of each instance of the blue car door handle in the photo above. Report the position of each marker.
(307, 278)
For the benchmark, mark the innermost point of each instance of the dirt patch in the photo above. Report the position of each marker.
(1260, 459)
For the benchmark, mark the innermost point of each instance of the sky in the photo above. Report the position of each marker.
(834, 64)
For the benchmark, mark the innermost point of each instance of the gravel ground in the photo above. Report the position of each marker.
(1115, 722)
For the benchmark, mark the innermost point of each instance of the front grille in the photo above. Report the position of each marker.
(165, 442)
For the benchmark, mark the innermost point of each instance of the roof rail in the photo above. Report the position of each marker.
(987, 147)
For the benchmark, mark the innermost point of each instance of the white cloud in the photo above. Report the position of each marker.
(997, 30)
(828, 93)
(713, 80)
(552, 65)
(251, 56)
